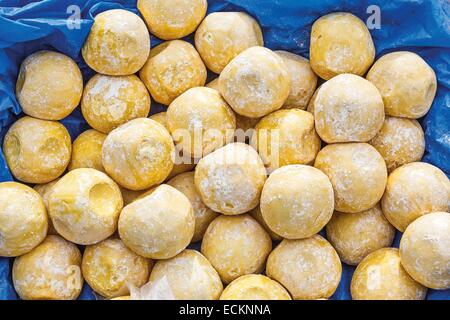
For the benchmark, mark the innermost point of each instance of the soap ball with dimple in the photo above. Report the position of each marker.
(118, 43)
(49, 85)
(37, 151)
(87, 150)
(257, 215)
(254, 287)
(44, 191)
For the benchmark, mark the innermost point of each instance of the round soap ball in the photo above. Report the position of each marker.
(172, 19)
(357, 172)
(223, 35)
(257, 215)
(254, 287)
(139, 154)
(37, 151)
(49, 85)
(355, 235)
(230, 179)
(297, 201)
(51, 271)
(87, 150)
(425, 250)
(213, 84)
(413, 190)
(159, 225)
(406, 83)
(84, 206)
(109, 101)
(23, 219)
(172, 68)
(256, 82)
(118, 43)
(340, 43)
(308, 268)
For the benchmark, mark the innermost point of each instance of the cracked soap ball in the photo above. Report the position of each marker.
(254, 287)
(297, 201)
(236, 246)
(139, 154)
(87, 150)
(158, 225)
(425, 250)
(357, 172)
(340, 43)
(118, 43)
(230, 179)
(111, 101)
(110, 268)
(85, 205)
(308, 268)
(37, 151)
(200, 121)
(406, 83)
(413, 190)
(348, 108)
(49, 85)
(23, 219)
(223, 35)
(380, 276)
(51, 271)
(355, 235)
(172, 68)
(256, 82)
(172, 19)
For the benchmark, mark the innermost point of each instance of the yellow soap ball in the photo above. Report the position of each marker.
(380, 276)
(118, 43)
(406, 83)
(110, 268)
(129, 196)
(172, 19)
(310, 107)
(213, 84)
(44, 191)
(87, 150)
(236, 246)
(172, 68)
(256, 82)
(357, 172)
(355, 235)
(84, 206)
(340, 43)
(37, 151)
(254, 287)
(223, 35)
(139, 154)
(159, 225)
(297, 201)
(308, 268)
(230, 179)
(413, 190)
(51, 271)
(425, 250)
(257, 215)
(49, 85)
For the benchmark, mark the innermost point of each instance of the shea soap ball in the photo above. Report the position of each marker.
(51, 271)
(159, 225)
(111, 101)
(340, 43)
(255, 287)
(230, 179)
(425, 250)
(256, 82)
(87, 150)
(380, 276)
(118, 43)
(172, 68)
(23, 219)
(413, 190)
(139, 154)
(406, 83)
(85, 205)
(49, 85)
(308, 268)
(357, 172)
(223, 35)
(37, 151)
(257, 215)
(348, 108)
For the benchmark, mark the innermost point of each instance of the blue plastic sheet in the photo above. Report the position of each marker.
(422, 26)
